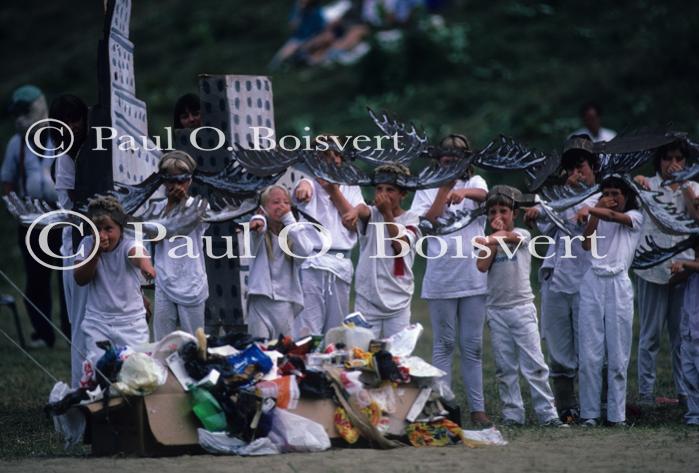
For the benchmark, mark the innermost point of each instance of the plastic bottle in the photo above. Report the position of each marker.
(207, 409)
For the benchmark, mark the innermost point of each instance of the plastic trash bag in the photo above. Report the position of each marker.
(293, 433)
(140, 375)
(490, 436)
(70, 425)
(167, 345)
(221, 443)
(403, 343)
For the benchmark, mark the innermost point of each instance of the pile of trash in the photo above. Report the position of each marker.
(259, 397)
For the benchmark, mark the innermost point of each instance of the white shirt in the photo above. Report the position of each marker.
(65, 181)
(322, 209)
(604, 134)
(273, 273)
(449, 277)
(508, 278)
(115, 290)
(660, 273)
(568, 272)
(182, 279)
(616, 245)
(385, 284)
(38, 183)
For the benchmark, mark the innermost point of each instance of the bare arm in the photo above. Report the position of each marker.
(143, 263)
(611, 216)
(86, 273)
(440, 201)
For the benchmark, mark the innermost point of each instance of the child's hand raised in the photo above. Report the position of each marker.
(257, 225)
(677, 267)
(384, 204)
(497, 224)
(349, 219)
(531, 214)
(278, 211)
(326, 186)
(582, 215)
(304, 192)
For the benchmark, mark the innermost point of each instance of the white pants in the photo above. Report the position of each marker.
(658, 305)
(384, 326)
(605, 320)
(690, 369)
(131, 332)
(325, 302)
(517, 347)
(559, 328)
(76, 297)
(167, 314)
(268, 318)
(461, 318)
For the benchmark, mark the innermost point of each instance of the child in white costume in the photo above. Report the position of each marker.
(275, 296)
(659, 302)
(385, 284)
(560, 278)
(457, 308)
(181, 285)
(327, 278)
(606, 301)
(72, 111)
(689, 330)
(114, 310)
(511, 312)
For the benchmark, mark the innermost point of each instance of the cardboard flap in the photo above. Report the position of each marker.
(170, 415)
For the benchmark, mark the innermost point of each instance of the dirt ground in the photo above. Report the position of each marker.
(576, 450)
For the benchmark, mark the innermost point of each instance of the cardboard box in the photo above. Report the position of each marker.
(163, 424)
(156, 425)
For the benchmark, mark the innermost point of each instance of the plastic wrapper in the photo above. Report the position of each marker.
(167, 345)
(71, 424)
(420, 368)
(207, 409)
(403, 343)
(140, 375)
(344, 427)
(220, 443)
(476, 438)
(293, 433)
(284, 389)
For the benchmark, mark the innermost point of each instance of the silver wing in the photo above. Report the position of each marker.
(452, 222)
(664, 215)
(651, 254)
(411, 144)
(27, 211)
(560, 198)
(265, 162)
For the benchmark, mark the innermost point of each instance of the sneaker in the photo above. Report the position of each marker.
(617, 425)
(555, 422)
(38, 343)
(589, 423)
(511, 423)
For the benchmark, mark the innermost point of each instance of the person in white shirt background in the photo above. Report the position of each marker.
(605, 317)
(457, 309)
(327, 279)
(560, 278)
(72, 111)
(591, 115)
(385, 284)
(29, 175)
(181, 285)
(275, 296)
(659, 302)
(511, 312)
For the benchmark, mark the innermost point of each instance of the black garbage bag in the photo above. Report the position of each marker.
(387, 368)
(315, 385)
